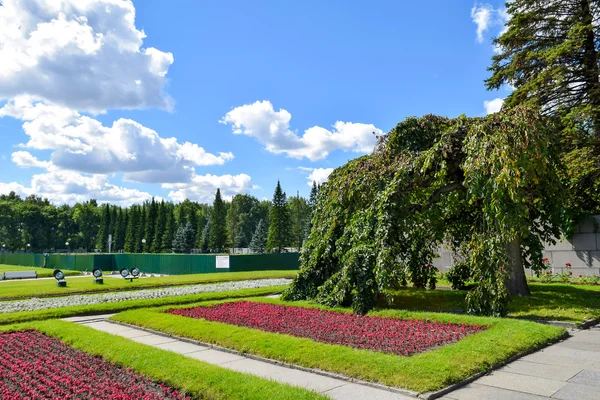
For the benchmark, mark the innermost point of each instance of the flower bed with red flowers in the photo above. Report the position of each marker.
(389, 335)
(36, 366)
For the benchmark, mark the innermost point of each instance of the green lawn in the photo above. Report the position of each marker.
(423, 372)
(549, 302)
(63, 312)
(41, 272)
(40, 288)
(189, 376)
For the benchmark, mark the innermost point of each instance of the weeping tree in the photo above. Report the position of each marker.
(485, 187)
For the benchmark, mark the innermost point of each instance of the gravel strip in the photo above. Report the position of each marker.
(34, 304)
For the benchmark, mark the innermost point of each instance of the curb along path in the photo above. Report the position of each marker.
(569, 370)
(337, 389)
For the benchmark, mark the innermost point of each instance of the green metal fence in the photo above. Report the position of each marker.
(169, 264)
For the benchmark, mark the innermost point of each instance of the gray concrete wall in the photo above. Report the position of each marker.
(582, 251)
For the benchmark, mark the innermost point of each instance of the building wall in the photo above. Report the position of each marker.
(582, 251)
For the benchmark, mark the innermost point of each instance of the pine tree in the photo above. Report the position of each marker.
(258, 243)
(550, 55)
(167, 240)
(132, 229)
(204, 244)
(139, 246)
(218, 230)
(279, 222)
(183, 240)
(159, 229)
(103, 231)
(300, 216)
(313, 196)
(113, 224)
(120, 229)
(150, 226)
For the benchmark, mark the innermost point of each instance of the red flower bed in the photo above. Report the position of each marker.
(364, 332)
(35, 366)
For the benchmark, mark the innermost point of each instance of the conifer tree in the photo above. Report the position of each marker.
(167, 240)
(103, 231)
(159, 229)
(279, 222)
(150, 226)
(550, 54)
(132, 229)
(218, 229)
(139, 246)
(120, 229)
(183, 240)
(204, 244)
(258, 243)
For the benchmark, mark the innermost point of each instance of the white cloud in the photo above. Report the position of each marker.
(319, 175)
(486, 16)
(83, 144)
(25, 159)
(482, 15)
(70, 187)
(83, 54)
(493, 106)
(272, 128)
(203, 187)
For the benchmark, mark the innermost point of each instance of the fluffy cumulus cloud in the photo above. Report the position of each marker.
(272, 128)
(81, 143)
(84, 54)
(203, 187)
(493, 106)
(70, 187)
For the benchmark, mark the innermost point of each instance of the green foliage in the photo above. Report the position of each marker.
(258, 244)
(205, 238)
(218, 227)
(458, 276)
(279, 222)
(549, 55)
(183, 241)
(477, 184)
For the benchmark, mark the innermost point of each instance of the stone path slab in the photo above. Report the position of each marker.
(569, 370)
(337, 389)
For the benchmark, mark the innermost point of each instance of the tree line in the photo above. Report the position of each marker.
(35, 224)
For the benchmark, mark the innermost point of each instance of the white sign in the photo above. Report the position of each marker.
(222, 262)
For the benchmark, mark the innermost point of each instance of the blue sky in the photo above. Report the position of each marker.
(281, 74)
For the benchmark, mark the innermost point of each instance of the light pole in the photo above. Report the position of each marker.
(67, 244)
(28, 247)
(144, 244)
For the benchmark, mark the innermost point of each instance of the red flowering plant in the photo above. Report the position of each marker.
(565, 275)
(389, 335)
(35, 366)
(546, 272)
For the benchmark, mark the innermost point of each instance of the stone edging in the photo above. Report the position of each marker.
(273, 362)
(439, 393)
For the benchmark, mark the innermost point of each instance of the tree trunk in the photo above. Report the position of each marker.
(516, 283)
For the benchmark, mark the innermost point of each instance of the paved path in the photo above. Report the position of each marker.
(569, 370)
(337, 389)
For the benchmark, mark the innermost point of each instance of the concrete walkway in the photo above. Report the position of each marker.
(337, 389)
(569, 370)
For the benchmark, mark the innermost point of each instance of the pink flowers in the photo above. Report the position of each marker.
(388, 335)
(35, 366)
(568, 265)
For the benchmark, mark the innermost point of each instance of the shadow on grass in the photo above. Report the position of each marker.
(548, 302)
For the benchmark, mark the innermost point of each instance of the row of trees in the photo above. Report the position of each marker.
(36, 224)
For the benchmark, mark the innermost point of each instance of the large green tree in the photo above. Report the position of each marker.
(218, 224)
(488, 188)
(549, 54)
(279, 222)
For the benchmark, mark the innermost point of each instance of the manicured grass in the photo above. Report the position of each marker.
(422, 372)
(548, 302)
(33, 288)
(189, 376)
(41, 272)
(23, 316)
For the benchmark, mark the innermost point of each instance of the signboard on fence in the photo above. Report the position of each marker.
(222, 262)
